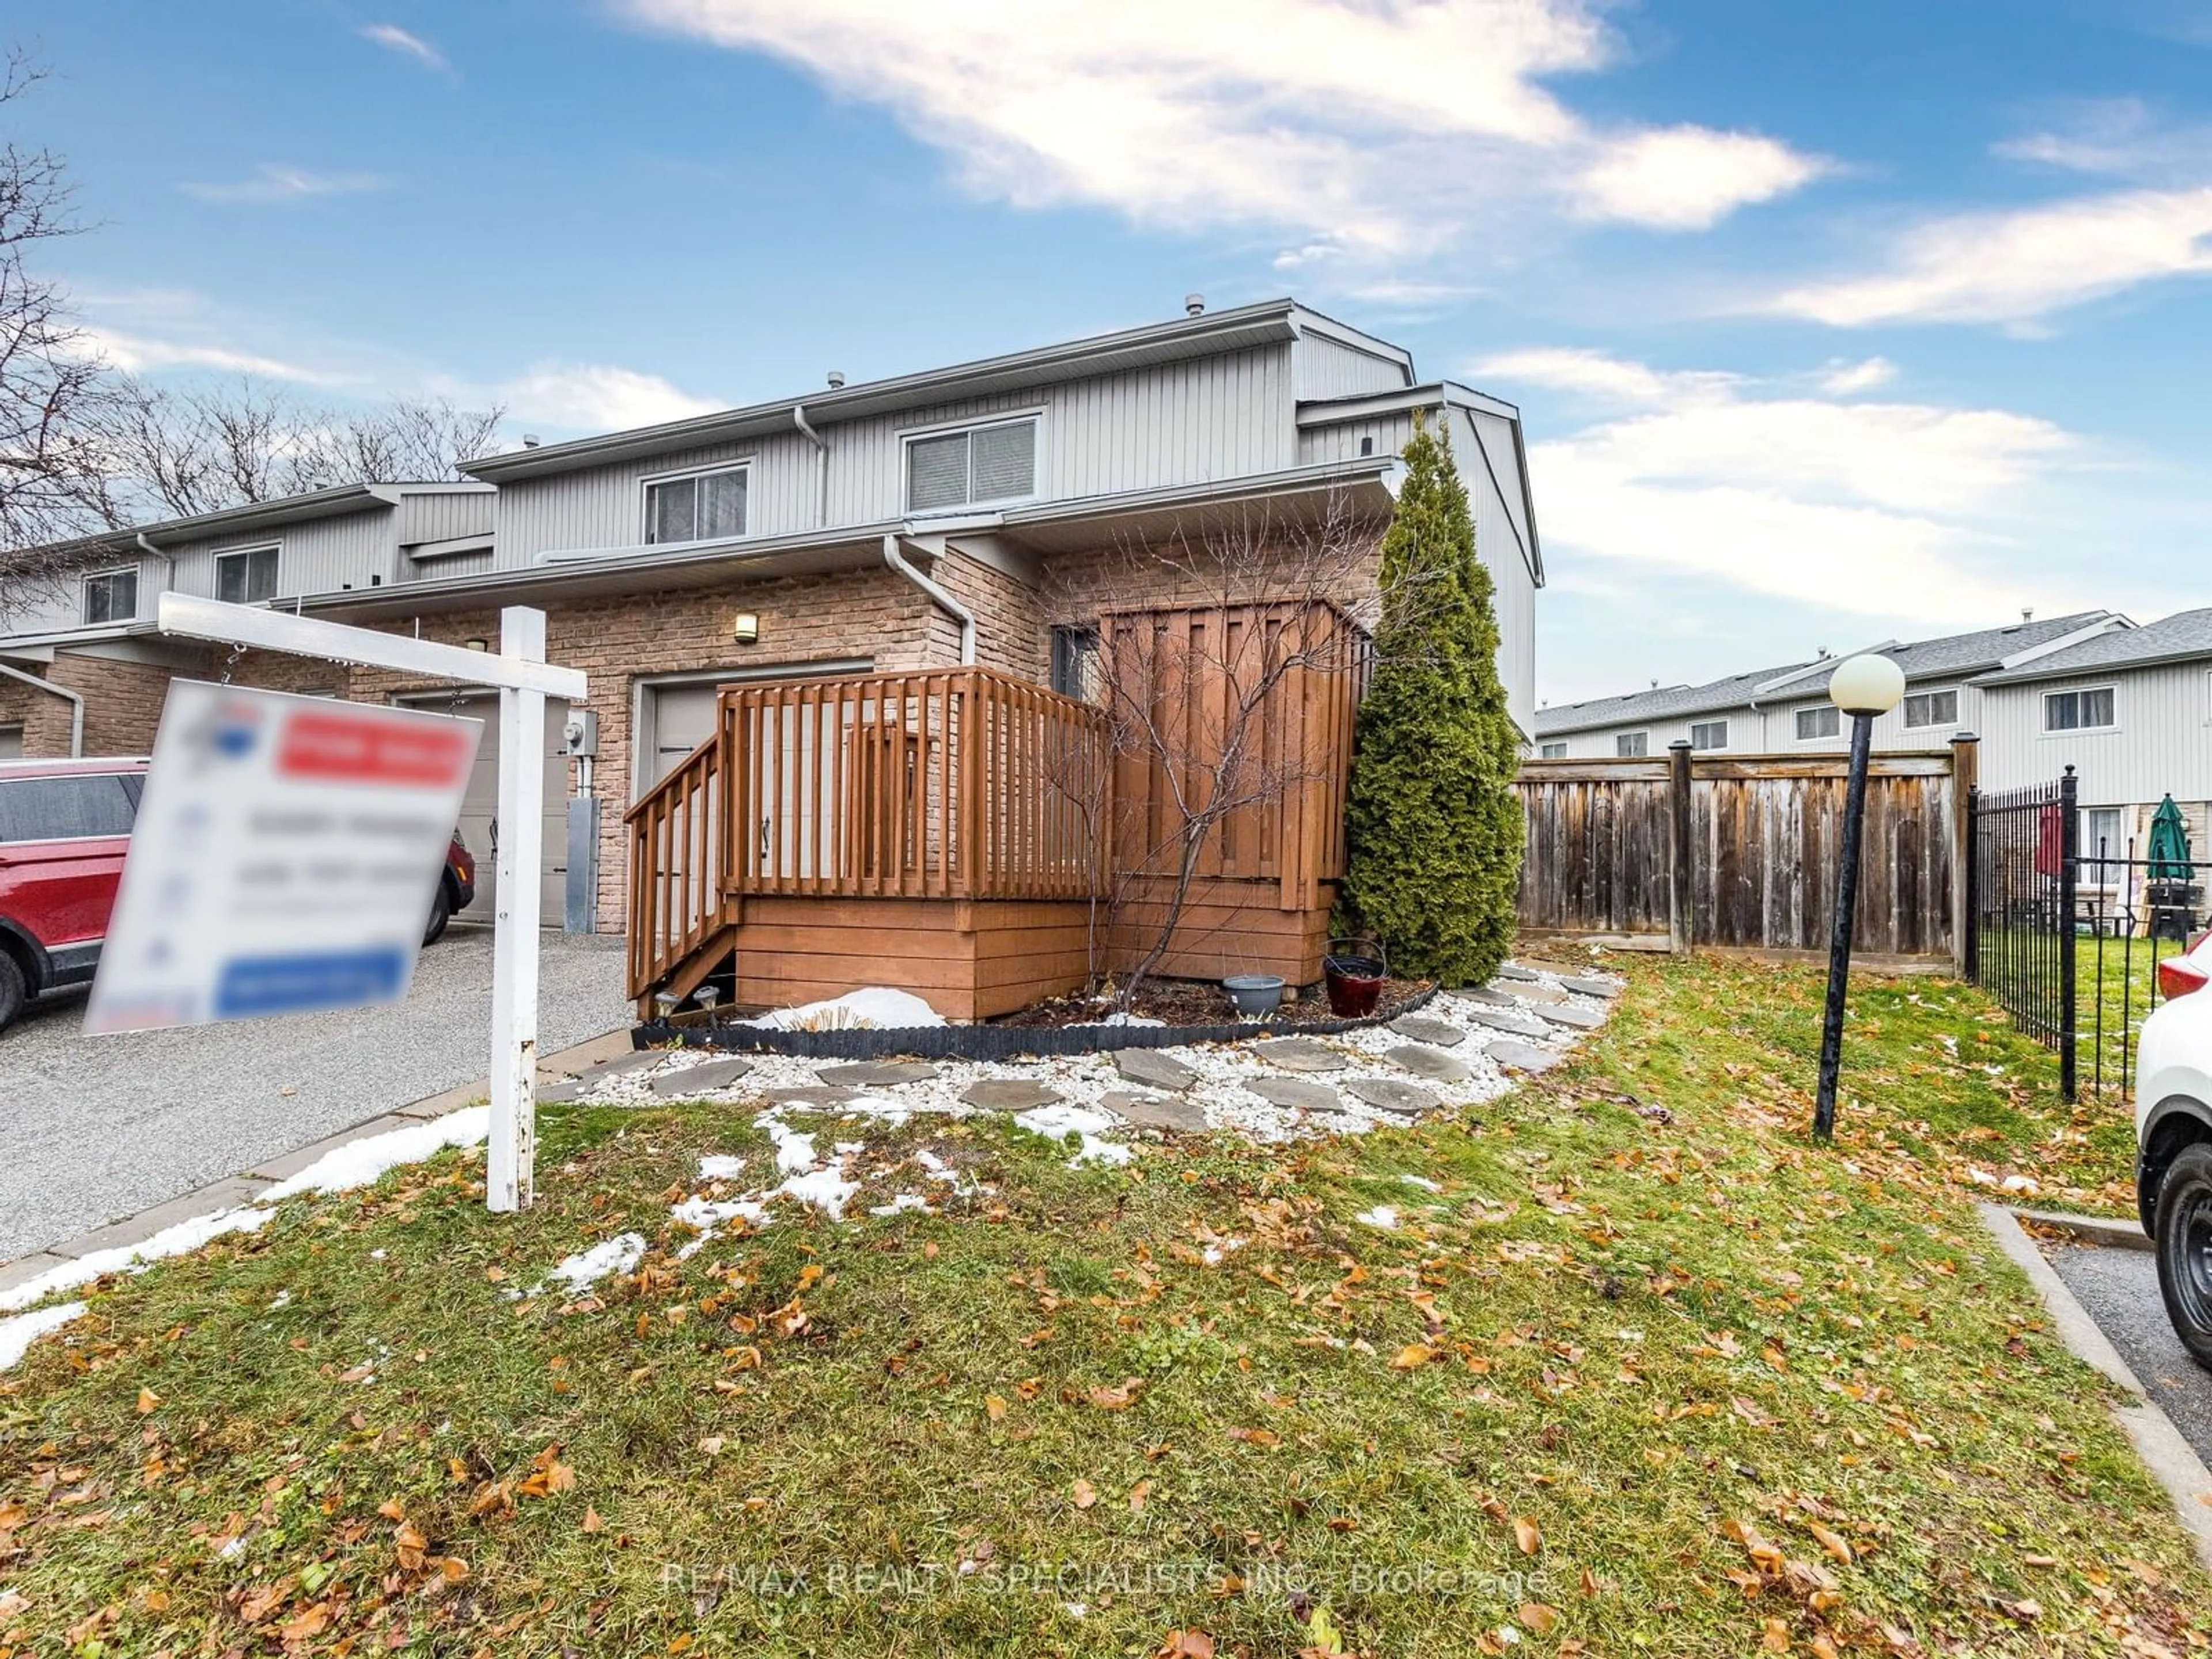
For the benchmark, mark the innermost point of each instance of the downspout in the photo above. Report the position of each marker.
(168, 560)
(75, 699)
(821, 465)
(937, 597)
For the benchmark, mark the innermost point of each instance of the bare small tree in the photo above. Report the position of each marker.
(50, 380)
(1205, 639)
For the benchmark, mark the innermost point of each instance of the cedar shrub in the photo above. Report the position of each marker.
(1433, 823)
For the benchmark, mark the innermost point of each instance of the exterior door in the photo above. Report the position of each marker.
(680, 719)
(480, 805)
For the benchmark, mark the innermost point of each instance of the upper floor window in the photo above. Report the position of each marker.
(698, 507)
(1822, 721)
(972, 467)
(247, 577)
(2077, 711)
(1551, 751)
(1632, 745)
(1709, 734)
(111, 596)
(1932, 709)
(1075, 662)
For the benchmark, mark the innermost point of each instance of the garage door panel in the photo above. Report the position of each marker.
(480, 807)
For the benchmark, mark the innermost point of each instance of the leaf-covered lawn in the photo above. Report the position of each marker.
(1636, 1368)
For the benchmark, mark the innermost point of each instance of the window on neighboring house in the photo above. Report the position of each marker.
(1632, 745)
(1075, 662)
(700, 507)
(2099, 831)
(111, 596)
(971, 468)
(1932, 708)
(1553, 751)
(2077, 711)
(1709, 734)
(1824, 721)
(247, 577)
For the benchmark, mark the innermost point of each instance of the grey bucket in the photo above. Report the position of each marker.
(1254, 994)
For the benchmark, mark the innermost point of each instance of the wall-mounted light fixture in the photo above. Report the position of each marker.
(477, 644)
(744, 628)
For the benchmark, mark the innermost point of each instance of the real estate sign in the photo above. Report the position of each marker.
(285, 857)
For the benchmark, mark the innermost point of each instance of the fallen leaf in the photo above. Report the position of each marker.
(1117, 1399)
(149, 1403)
(1776, 1637)
(1138, 1493)
(712, 1445)
(1187, 1645)
(1412, 1356)
(591, 1521)
(1831, 1540)
(1257, 1436)
(994, 1408)
(1528, 1534)
(1085, 1494)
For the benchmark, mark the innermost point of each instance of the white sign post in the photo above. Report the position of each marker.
(524, 679)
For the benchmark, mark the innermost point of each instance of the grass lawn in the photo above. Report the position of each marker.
(1637, 1368)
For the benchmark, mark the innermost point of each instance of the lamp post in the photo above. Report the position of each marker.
(1861, 687)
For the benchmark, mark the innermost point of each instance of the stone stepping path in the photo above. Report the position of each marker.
(1296, 1093)
(1580, 1019)
(694, 1081)
(1499, 1019)
(1524, 1057)
(1422, 1028)
(1389, 1095)
(1513, 971)
(811, 1094)
(878, 1074)
(1434, 1064)
(1153, 1069)
(1592, 987)
(1010, 1094)
(1154, 1111)
(1300, 1054)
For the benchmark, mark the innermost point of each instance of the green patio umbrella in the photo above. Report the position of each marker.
(2168, 849)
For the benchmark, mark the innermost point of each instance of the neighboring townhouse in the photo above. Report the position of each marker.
(981, 513)
(1785, 710)
(81, 666)
(2131, 711)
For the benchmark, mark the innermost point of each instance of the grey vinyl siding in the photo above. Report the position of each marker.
(48, 607)
(440, 515)
(2159, 742)
(1493, 493)
(318, 556)
(1209, 418)
(1492, 435)
(1330, 369)
(450, 564)
(1772, 727)
(1340, 442)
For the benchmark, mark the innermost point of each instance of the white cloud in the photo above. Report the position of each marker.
(1690, 177)
(595, 398)
(1871, 508)
(1843, 379)
(2017, 266)
(138, 354)
(273, 183)
(1389, 129)
(392, 38)
(2122, 137)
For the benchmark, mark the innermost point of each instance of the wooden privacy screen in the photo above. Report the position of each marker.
(1740, 852)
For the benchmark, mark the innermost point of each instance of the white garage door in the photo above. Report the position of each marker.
(480, 805)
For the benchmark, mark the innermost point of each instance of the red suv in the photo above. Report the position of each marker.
(65, 828)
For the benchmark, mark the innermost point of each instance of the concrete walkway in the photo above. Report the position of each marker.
(97, 1128)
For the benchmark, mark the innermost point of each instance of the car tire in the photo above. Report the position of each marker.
(2185, 1249)
(441, 912)
(15, 990)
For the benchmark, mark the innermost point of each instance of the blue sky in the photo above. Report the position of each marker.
(1829, 324)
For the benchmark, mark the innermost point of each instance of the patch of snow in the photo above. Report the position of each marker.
(618, 1255)
(826, 1189)
(282, 1299)
(872, 1008)
(893, 1113)
(1061, 1120)
(17, 1335)
(361, 1163)
(1383, 1216)
(185, 1236)
(1422, 1182)
(1118, 1018)
(900, 1205)
(720, 1166)
(794, 1151)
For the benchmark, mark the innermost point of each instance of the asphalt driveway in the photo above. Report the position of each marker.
(2119, 1289)
(94, 1127)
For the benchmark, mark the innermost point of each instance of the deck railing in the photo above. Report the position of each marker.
(676, 852)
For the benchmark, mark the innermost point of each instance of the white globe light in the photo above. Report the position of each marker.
(1867, 685)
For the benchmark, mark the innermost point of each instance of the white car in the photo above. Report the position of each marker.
(2173, 1142)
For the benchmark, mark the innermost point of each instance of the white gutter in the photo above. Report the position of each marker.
(168, 560)
(937, 597)
(75, 699)
(821, 463)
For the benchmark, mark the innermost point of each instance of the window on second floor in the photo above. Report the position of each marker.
(1709, 734)
(247, 577)
(2077, 711)
(698, 507)
(111, 596)
(1632, 745)
(1553, 751)
(1932, 708)
(972, 467)
(1822, 721)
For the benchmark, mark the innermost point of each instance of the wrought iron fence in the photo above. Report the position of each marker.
(2021, 894)
(2133, 912)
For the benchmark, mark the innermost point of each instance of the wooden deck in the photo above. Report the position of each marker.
(973, 838)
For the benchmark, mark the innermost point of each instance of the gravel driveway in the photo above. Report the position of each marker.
(2119, 1289)
(100, 1126)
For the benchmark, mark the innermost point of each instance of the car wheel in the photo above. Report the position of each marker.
(13, 991)
(2185, 1249)
(441, 912)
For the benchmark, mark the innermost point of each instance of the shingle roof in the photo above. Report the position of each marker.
(2184, 635)
(1949, 655)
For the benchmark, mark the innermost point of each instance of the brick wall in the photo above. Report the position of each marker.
(122, 706)
(1010, 626)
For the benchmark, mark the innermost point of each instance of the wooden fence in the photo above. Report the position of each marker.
(1739, 851)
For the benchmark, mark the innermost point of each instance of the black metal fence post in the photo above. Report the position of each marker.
(2069, 849)
(1972, 876)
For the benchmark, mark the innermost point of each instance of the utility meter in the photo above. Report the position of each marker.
(580, 736)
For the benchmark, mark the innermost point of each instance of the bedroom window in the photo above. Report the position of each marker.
(698, 507)
(972, 467)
